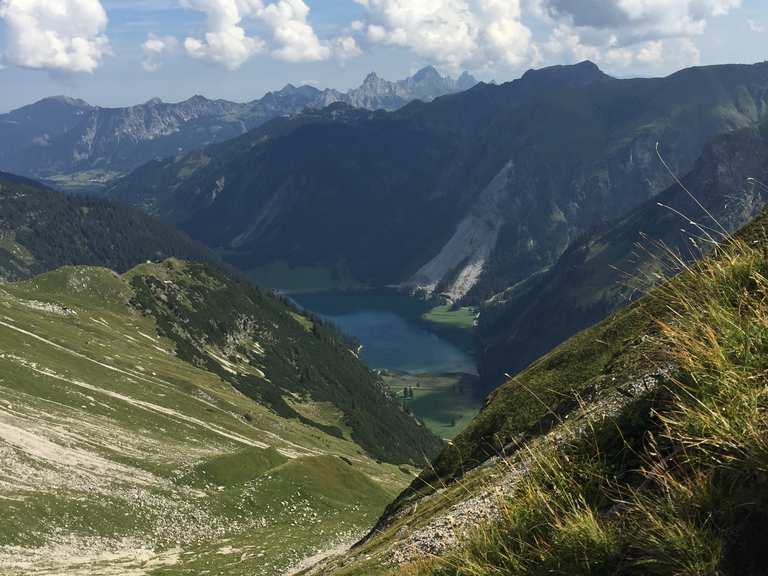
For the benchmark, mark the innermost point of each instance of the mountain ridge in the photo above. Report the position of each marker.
(485, 188)
(98, 143)
(608, 268)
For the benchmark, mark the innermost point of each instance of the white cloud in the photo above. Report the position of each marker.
(755, 26)
(634, 21)
(345, 48)
(227, 42)
(652, 52)
(624, 32)
(155, 48)
(294, 36)
(56, 35)
(452, 33)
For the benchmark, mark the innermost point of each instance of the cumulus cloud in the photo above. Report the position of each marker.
(227, 42)
(452, 33)
(155, 48)
(755, 26)
(56, 35)
(345, 48)
(640, 20)
(295, 38)
(648, 32)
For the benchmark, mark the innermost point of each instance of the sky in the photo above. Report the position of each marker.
(124, 52)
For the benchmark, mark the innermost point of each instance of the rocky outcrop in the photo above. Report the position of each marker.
(458, 266)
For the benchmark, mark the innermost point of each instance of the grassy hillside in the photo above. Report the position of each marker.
(637, 447)
(278, 357)
(676, 483)
(134, 444)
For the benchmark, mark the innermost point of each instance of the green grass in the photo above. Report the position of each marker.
(675, 485)
(236, 468)
(303, 320)
(447, 315)
(446, 403)
(114, 439)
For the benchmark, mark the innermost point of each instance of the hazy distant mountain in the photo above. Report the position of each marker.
(464, 196)
(377, 93)
(64, 137)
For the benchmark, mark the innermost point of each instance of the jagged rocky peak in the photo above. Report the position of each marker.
(427, 73)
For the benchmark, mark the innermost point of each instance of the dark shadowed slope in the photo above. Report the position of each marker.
(464, 196)
(604, 270)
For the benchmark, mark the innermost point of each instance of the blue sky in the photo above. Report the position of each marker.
(122, 52)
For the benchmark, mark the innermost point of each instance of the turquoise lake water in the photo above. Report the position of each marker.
(387, 325)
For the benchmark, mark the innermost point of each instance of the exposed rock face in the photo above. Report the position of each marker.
(458, 266)
(425, 85)
(604, 270)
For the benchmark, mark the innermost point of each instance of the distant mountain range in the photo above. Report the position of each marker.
(80, 145)
(465, 196)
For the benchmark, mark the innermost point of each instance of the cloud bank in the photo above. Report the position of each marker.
(483, 35)
(227, 42)
(627, 31)
(452, 33)
(56, 35)
(493, 33)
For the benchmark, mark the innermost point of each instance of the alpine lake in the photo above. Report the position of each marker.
(422, 350)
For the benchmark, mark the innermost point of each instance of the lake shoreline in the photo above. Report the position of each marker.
(392, 327)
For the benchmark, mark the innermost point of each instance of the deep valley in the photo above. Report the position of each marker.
(428, 327)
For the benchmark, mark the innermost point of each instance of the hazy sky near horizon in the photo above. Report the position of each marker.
(122, 52)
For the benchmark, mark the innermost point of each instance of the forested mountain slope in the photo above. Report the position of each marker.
(604, 270)
(42, 229)
(466, 195)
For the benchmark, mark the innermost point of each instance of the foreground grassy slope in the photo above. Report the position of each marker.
(121, 457)
(676, 483)
(637, 447)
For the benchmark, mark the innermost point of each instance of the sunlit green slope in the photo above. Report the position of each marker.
(138, 443)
